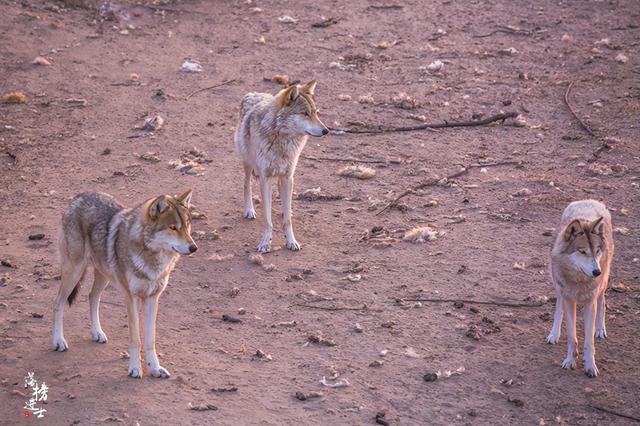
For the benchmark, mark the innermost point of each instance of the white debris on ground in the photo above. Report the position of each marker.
(359, 172)
(191, 66)
(421, 234)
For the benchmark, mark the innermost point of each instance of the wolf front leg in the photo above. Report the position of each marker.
(286, 193)
(266, 189)
(589, 314)
(554, 335)
(150, 314)
(572, 340)
(135, 366)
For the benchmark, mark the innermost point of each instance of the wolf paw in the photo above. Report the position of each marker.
(98, 336)
(264, 247)
(293, 245)
(553, 338)
(590, 368)
(601, 333)
(135, 372)
(60, 345)
(250, 214)
(161, 373)
(569, 363)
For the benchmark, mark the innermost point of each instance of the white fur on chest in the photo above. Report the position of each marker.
(281, 157)
(158, 275)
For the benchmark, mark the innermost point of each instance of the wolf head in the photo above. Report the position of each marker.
(298, 113)
(168, 224)
(585, 244)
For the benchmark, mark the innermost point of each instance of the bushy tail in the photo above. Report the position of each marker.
(64, 262)
(74, 292)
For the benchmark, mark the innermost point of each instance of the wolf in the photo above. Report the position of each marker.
(135, 247)
(580, 266)
(272, 131)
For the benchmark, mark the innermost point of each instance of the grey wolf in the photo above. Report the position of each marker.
(580, 266)
(135, 247)
(270, 136)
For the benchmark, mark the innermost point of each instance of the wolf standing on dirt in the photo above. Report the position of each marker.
(580, 266)
(135, 247)
(271, 134)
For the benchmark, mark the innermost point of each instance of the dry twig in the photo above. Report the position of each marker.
(224, 83)
(445, 124)
(566, 101)
(615, 413)
(333, 308)
(435, 181)
(504, 29)
(470, 301)
(349, 160)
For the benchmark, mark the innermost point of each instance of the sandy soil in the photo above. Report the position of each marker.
(52, 148)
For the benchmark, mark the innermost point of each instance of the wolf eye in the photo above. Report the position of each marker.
(173, 227)
(582, 252)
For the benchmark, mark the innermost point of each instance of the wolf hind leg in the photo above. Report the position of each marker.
(72, 272)
(100, 282)
(266, 189)
(249, 211)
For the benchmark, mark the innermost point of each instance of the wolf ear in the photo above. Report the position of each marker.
(291, 93)
(573, 229)
(158, 206)
(596, 226)
(310, 87)
(185, 199)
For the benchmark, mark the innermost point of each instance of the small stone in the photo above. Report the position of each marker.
(430, 377)
(234, 292)
(380, 418)
(358, 328)
(376, 363)
(524, 192)
(507, 52)
(302, 396)
(515, 401)
(36, 237)
(268, 268)
(621, 58)
(39, 60)
(229, 318)
(458, 305)
(435, 66)
(473, 332)
(242, 311)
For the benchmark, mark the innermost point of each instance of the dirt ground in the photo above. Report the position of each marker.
(77, 132)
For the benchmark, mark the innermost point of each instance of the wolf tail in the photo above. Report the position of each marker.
(74, 293)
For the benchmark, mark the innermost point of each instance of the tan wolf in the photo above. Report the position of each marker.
(134, 247)
(270, 136)
(580, 266)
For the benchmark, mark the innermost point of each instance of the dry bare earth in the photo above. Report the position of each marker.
(52, 149)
